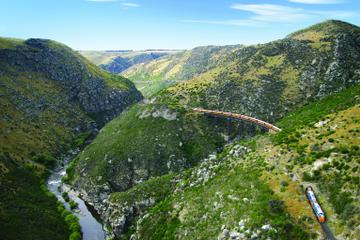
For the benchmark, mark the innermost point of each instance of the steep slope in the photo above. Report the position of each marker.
(162, 136)
(51, 98)
(158, 74)
(255, 189)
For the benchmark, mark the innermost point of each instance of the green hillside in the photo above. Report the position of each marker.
(163, 136)
(255, 188)
(160, 73)
(50, 98)
(117, 62)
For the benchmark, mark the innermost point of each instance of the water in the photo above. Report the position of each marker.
(90, 226)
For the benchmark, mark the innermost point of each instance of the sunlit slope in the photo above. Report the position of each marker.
(266, 81)
(255, 188)
(156, 75)
(51, 98)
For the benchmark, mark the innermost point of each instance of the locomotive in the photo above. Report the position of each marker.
(319, 213)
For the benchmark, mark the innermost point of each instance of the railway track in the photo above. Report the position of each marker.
(239, 117)
(328, 233)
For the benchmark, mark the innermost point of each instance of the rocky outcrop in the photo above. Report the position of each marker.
(100, 95)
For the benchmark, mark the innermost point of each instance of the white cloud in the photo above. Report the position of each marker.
(129, 4)
(317, 1)
(272, 13)
(264, 14)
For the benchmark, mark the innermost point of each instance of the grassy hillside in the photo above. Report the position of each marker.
(255, 188)
(266, 81)
(158, 74)
(49, 97)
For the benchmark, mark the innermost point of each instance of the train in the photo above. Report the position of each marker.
(319, 213)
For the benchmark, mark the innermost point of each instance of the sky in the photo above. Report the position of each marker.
(166, 24)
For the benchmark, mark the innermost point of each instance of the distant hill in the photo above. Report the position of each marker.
(52, 99)
(155, 75)
(135, 159)
(120, 64)
(117, 61)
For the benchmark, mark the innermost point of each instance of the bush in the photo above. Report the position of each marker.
(284, 183)
(71, 220)
(343, 149)
(307, 176)
(75, 236)
(45, 159)
(80, 139)
(355, 147)
(73, 204)
(65, 179)
(322, 154)
(317, 175)
(65, 195)
(276, 206)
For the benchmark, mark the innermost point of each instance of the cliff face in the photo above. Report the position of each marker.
(51, 99)
(100, 94)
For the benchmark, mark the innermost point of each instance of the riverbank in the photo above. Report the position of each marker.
(91, 226)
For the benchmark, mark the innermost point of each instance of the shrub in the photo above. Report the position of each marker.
(307, 176)
(65, 179)
(80, 139)
(276, 206)
(326, 166)
(343, 149)
(284, 183)
(355, 147)
(316, 175)
(65, 195)
(45, 159)
(75, 236)
(301, 148)
(73, 204)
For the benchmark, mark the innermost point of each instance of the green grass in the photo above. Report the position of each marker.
(330, 27)
(26, 210)
(312, 113)
(9, 43)
(191, 213)
(120, 140)
(183, 211)
(38, 123)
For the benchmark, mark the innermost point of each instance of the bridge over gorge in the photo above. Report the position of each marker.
(238, 116)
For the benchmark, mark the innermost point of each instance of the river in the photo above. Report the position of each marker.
(91, 227)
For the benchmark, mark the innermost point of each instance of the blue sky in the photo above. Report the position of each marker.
(180, 24)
